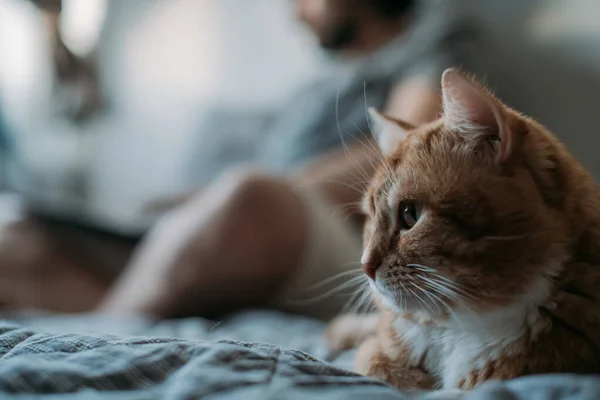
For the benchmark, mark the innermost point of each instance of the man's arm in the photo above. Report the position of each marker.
(417, 101)
(342, 176)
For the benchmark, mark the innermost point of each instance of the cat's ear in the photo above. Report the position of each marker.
(388, 130)
(474, 112)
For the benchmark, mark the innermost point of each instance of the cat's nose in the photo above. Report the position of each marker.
(370, 269)
(370, 261)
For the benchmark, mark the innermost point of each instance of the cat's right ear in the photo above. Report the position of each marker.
(474, 112)
(388, 131)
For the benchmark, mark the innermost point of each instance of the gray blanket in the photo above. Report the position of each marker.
(138, 358)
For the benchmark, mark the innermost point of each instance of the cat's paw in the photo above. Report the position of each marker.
(348, 331)
(371, 361)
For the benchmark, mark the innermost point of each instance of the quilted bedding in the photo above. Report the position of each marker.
(137, 358)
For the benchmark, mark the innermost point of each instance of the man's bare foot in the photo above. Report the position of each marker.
(38, 273)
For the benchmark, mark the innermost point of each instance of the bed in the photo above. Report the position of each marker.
(251, 355)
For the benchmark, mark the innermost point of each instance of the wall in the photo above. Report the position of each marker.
(166, 61)
(163, 62)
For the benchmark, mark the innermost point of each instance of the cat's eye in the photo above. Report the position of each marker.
(409, 215)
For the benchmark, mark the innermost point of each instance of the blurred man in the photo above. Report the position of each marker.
(255, 238)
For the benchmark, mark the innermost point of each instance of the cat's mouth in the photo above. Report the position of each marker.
(420, 290)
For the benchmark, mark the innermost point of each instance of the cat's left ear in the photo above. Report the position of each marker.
(389, 131)
(474, 112)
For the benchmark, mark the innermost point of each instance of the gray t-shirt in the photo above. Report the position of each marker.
(331, 112)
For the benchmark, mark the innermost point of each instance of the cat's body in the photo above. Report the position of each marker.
(482, 245)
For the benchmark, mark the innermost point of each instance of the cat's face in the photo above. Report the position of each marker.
(456, 216)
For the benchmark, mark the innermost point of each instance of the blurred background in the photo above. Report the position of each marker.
(163, 65)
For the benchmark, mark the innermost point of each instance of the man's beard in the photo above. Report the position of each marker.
(341, 36)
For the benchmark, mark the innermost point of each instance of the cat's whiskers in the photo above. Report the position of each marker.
(439, 307)
(447, 283)
(438, 288)
(359, 186)
(335, 277)
(361, 300)
(421, 267)
(458, 293)
(464, 294)
(377, 145)
(402, 298)
(373, 149)
(434, 293)
(351, 304)
(352, 282)
(390, 183)
(441, 288)
(345, 207)
(429, 304)
(366, 176)
(346, 211)
(415, 296)
(365, 303)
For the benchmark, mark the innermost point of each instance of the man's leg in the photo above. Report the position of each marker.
(233, 246)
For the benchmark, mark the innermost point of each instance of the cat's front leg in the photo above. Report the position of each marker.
(348, 331)
(392, 366)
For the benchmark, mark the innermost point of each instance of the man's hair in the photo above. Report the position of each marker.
(392, 8)
(345, 32)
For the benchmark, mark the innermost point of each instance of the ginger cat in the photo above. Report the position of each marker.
(482, 247)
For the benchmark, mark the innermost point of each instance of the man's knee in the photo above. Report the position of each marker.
(247, 183)
(247, 212)
(269, 211)
(262, 192)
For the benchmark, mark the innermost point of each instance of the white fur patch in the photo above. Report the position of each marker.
(417, 336)
(469, 341)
